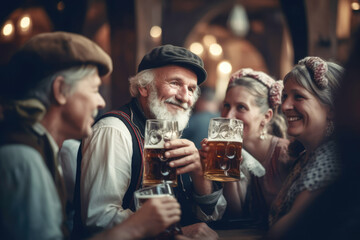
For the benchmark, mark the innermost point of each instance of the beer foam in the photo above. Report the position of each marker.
(154, 196)
(225, 140)
(156, 146)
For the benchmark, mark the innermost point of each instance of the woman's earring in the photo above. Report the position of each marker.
(263, 133)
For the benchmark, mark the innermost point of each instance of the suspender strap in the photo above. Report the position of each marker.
(136, 165)
(136, 174)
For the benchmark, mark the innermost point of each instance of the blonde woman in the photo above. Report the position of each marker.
(254, 97)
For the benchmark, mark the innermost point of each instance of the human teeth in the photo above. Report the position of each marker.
(293, 118)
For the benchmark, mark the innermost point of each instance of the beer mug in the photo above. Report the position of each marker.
(156, 191)
(156, 165)
(225, 143)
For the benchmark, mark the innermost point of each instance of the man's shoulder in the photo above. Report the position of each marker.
(20, 156)
(109, 121)
(109, 126)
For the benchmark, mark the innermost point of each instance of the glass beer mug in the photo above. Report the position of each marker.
(225, 137)
(156, 191)
(156, 165)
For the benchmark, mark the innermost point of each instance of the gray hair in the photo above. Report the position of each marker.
(277, 125)
(305, 78)
(71, 77)
(147, 77)
(142, 79)
(257, 89)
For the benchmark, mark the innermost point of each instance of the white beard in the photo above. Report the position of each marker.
(160, 111)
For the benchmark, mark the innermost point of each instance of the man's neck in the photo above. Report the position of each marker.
(145, 107)
(53, 124)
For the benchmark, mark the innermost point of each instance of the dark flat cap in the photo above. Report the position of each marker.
(47, 53)
(173, 55)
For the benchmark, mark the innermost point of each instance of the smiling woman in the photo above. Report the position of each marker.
(254, 97)
(308, 104)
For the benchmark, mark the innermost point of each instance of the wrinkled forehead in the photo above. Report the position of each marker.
(174, 72)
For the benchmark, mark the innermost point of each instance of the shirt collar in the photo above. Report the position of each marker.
(41, 130)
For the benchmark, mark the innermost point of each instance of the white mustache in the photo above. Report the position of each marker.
(173, 100)
(95, 113)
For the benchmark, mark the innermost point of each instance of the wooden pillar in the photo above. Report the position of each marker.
(148, 14)
(321, 18)
(295, 14)
(121, 16)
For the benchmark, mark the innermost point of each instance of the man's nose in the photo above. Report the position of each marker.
(101, 102)
(183, 94)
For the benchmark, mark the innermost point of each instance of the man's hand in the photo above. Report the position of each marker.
(188, 158)
(188, 161)
(198, 231)
(150, 220)
(203, 152)
(156, 215)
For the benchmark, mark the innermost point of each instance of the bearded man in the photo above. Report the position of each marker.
(50, 93)
(165, 87)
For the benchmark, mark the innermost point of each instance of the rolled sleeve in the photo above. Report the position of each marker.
(210, 207)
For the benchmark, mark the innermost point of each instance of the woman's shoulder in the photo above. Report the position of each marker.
(323, 167)
(281, 150)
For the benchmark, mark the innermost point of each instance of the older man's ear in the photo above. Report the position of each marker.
(59, 90)
(144, 92)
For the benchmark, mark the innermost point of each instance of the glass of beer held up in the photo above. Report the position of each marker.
(224, 157)
(157, 191)
(156, 165)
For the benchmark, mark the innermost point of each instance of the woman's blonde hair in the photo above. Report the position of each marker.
(277, 125)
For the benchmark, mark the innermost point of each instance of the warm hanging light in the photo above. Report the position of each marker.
(355, 6)
(223, 71)
(8, 29)
(209, 39)
(238, 21)
(215, 49)
(196, 48)
(25, 23)
(155, 32)
(225, 67)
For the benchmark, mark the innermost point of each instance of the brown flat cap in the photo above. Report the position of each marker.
(47, 53)
(173, 55)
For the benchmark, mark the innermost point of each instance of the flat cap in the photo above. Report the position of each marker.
(173, 55)
(47, 53)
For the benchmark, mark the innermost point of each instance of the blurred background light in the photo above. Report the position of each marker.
(238, 21)
(155, 32)
(225, 67)
(355, 6)
(25, 23)
(8, 28)
(209, 39)
(197, 48)
(215, 49)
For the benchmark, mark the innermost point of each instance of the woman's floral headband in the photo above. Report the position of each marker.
(319, 67)
(275, 87)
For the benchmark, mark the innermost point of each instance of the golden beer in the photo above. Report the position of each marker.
(223, 161)
(157, 169)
